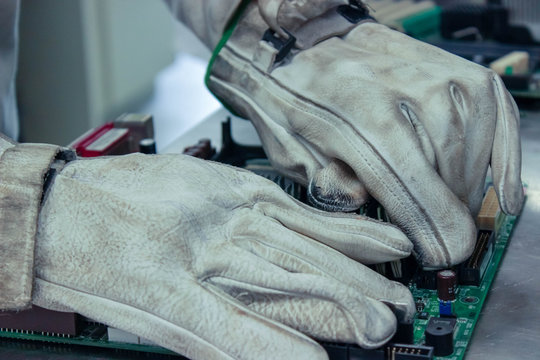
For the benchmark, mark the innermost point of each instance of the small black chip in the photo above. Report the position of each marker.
(423, 315)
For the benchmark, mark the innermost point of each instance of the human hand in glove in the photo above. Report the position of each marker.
(211, 261)
(353, 109)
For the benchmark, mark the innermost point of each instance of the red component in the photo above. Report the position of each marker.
(103, 140)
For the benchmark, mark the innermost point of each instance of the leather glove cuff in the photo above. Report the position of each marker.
(24, 169)
(313, 21)
(286, 30)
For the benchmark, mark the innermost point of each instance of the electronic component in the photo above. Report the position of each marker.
(104, 140)
(440, 334)
(445, 308)
(202, 150)
(397, 14)
(472, 271)
(115, 138)
(525, 14)
(121, 336)
(408, 352)
(404, 333)
(490, 215)
(147, 146)
(140, 126)
(446, 285)
(516, 62)
(117, 335)
(446, 291)
(426, 279)
(419, 305)
(489, 21)
(41, 321)
(424, 315)
(233, 153)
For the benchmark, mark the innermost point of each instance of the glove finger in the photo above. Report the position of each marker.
(506, 152)
(414, 196)
(208, 325)
(368, 241)
(369, 323)
(469, 113)
(399, 177)
(298, 253)
(336, 188)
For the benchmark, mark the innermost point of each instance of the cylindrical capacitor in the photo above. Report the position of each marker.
(147, 146)
(446, 285)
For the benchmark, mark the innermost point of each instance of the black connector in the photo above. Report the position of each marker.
(408, 352)
(473, 269)
(426, 279)
(404, 333)
(351, 352)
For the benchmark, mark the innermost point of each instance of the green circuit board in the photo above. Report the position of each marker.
(469, 299)
(92, 334)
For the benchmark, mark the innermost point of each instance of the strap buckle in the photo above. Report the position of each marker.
(354, 13)
(283, 46)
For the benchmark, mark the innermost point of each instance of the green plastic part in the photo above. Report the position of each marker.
(424, 23)
(229, 29)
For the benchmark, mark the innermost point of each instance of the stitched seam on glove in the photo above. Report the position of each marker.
(214, 290)
(322, 109)
(310, 264)
(291, 254)
(348, 314)
(345, 233)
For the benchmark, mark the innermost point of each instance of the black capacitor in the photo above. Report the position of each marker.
(404, 333)
(147, 146)
(440, 334)
(446, 285)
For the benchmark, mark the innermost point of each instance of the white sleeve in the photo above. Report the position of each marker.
(9, 18)
(5, 143)
(206, 18)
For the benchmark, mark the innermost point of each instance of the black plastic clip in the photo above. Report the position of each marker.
(353, 14)
(283, 46)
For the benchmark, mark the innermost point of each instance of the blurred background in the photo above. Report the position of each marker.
(85, 62)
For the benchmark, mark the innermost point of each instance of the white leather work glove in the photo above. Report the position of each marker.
(371, 112)
(211, 261)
